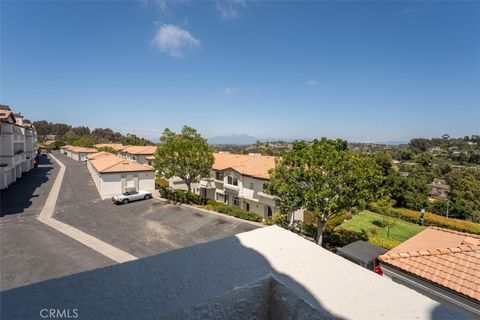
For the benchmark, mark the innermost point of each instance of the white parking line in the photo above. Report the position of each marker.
(98, 245)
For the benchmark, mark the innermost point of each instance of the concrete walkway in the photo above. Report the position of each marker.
(46, 214)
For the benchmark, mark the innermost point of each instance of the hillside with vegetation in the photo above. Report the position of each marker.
(63, 134)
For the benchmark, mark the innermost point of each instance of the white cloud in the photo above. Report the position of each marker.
(229, 91)
(230, 9)
(311, 83)
(174, 40)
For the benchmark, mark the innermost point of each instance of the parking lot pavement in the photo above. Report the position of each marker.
(149, 227)
(32, 252)
(29, 250)
(140, 228)
(78, 186)
(26, 196)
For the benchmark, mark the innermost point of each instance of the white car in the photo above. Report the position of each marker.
(131, 195)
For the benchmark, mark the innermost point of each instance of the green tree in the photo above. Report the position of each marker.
(83, 142)
(464, 193)
(409, 191)
(424, 159)
(69, 137)
(81, 131)
(133, 140)
(420, 144)
(324, 177)
(107, 149)
(185, 155)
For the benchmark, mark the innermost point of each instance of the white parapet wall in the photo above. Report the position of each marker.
(265, 272)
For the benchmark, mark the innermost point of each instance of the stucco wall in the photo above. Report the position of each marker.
(198, 281)
(111, 183)
(146, 180)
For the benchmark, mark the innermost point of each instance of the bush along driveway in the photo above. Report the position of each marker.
(183, 196)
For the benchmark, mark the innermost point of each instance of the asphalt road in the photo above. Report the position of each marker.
(140, 228)
(29, 250)
(26, 196)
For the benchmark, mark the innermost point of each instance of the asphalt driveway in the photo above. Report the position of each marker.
(140, 228)
(29, 250)
(26, 196)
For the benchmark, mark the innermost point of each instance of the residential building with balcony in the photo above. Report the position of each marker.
(241, 181)
(18, 144)
(140, 154)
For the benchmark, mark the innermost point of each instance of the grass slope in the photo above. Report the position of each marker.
(401, 231)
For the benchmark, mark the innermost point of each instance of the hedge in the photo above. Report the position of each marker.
(159, 182)
(182, 196)
(431, 219)
(384, 242)
(232, 211)
(339, 237)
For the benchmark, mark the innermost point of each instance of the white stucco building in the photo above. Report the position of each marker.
(140, 154)
(77, 153)
(113, 174)
(18, 144)
(239, 180)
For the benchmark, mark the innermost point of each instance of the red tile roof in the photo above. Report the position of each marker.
(143, 150)
(105, 162)
(447, 258)
(250, 165)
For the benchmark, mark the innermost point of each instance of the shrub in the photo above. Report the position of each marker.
(232, 211)
(280, 219)
(384, 242)
(159, 182)
(309, 229)
(431, 219)
(340, 237)
(309, 217)
(380, 223)
(336, 220)
(181, 196)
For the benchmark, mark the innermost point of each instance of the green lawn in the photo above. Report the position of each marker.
(401, 231)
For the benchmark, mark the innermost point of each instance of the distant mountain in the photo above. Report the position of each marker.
(392, 142)
(233, 139)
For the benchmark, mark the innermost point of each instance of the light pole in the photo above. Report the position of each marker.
(422, 217)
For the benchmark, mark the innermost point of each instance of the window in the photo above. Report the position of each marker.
(232, 180)
(236, 202)
(218, 175)
(252, 185)
(265, 186)
(227, 200)
(247, 206)
(220, 197)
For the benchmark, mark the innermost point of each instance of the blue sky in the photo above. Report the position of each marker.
(363, 71)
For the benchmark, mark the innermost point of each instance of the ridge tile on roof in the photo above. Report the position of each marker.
(440, 256)
(105, 162)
